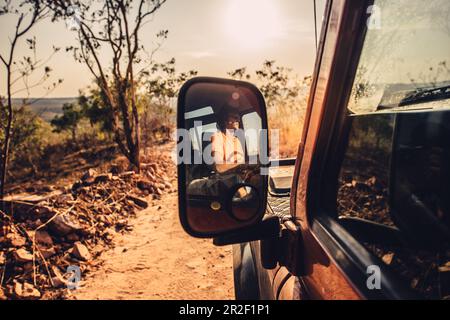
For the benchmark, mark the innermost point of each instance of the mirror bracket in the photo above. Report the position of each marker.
(268, 228)
(285, 250)
(292, 249)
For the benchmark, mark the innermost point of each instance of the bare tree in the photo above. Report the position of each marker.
(28, 13)
(111, 28)
(161, 84)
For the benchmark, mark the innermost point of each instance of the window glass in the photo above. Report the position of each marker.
(252, 121)
(405, 59)
(393, 192)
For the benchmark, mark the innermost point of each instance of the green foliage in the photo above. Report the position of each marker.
(69, 120)
(278, 84)
(161, 85)
(96, 109)
(163, 82)
(30, 136)
(286, 98)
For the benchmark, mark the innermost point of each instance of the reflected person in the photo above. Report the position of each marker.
(226, 147)
(227, 150)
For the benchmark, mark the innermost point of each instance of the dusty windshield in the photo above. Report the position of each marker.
(405, 63)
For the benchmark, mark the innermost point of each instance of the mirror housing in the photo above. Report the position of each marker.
(222, 156)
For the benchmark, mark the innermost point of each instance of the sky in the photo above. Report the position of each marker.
(210, 36)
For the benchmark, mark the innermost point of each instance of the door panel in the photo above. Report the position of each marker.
(323, 279)
(265, 276)
(280, 279)
(292, 290)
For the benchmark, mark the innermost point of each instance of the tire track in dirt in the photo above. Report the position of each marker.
(158, 260)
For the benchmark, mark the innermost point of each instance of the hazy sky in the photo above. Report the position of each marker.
(211, 36)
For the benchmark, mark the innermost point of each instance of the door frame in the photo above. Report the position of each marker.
(342, 38)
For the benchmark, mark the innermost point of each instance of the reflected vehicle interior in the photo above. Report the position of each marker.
(232, 190)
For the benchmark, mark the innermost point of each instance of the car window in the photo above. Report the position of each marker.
(404, 63)
(393, 192)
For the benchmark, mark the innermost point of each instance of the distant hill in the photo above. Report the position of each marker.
(46, 108)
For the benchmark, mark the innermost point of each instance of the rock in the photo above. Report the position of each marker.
(156, 197)
(160, 186)
(115, 169)
(36, 224)
(72, 237)
(88, 175)
(59, 282)
(22, 256)
(47, 188)
(58, 279)
(138, 201)
(28, 267)
(24, 211)
(80, 251)
(64, 199)
(43, 238)
(47, 252)
(88, 182)
(16, 239)
(144, 185)
(103, 177)
(191, 265)
(63, 225)
(26, 291)
(121, 223)
(30, 189)
(77, 185)
(148, 166)
(126, 174)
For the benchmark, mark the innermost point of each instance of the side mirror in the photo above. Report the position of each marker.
(222, 156)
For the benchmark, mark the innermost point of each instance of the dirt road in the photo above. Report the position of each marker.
(158, 260)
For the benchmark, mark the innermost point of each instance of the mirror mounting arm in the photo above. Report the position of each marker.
(286, 250)
(268, 228)
(292, 249)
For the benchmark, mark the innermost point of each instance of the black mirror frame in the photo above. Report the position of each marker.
(181, 166)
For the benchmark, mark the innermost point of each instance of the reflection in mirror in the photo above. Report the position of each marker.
(223, 124)
(245, 203)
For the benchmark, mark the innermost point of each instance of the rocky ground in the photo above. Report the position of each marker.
(113, 234)
(158, 260)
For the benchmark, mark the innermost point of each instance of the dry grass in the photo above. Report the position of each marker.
(288, 120)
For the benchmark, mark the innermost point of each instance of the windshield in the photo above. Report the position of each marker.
(404, 63)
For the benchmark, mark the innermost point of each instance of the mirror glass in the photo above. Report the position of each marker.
(245, 203)
(222, 145)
